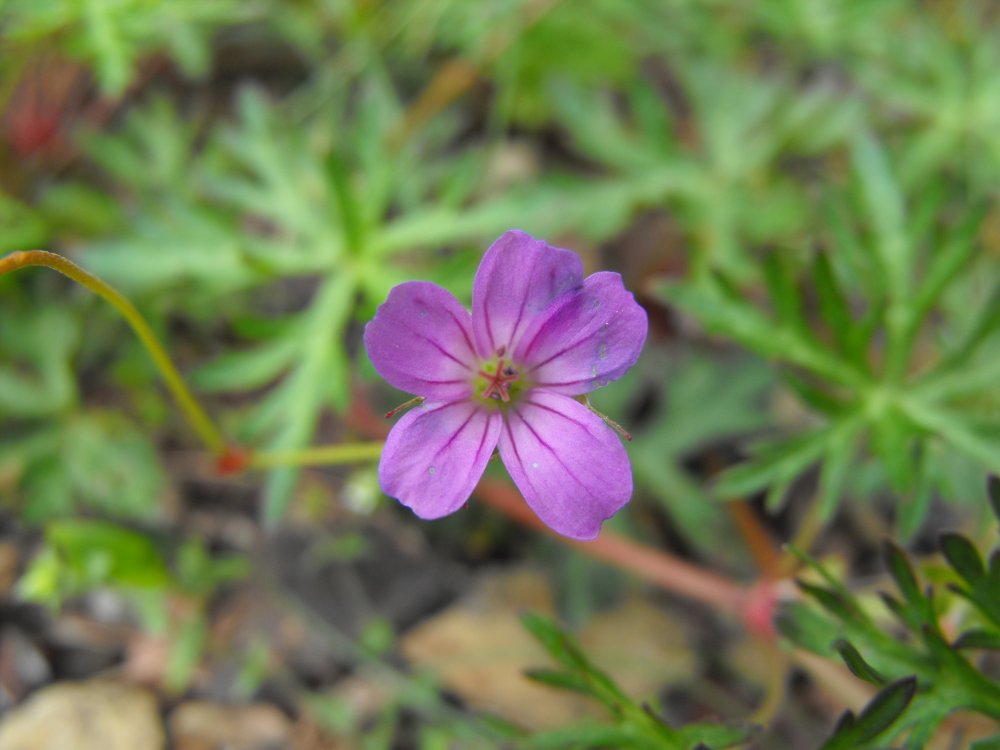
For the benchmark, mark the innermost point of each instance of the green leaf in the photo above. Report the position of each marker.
(564, 650)
(783, 291)
(831, 600)
(893, 438)
(553, 640)
(833, 306)
(993, 494)
(947, 262)
(719, 307)
(560, 680)
(990, 743)
(912, 510)
(345, 202)
(838, 461)
(95, 553)
(590, 736)
(878, 716)
(962, 556)
(902, 573)
(957, 429)
(38, 345)
(857, 664)
(978, 639)
(712, 736)
(772, 463)
(884, 205)
(248, 369)
(184, 657)
(23, 227)
(93, 460)
(807, 626)
(823, 401)
(985, 323)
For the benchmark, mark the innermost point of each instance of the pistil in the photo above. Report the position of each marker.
(498, 381)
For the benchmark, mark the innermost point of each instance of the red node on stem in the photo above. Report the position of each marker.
(234, 460)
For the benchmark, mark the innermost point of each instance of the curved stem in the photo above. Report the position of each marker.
(669, 573)
(209, 434)
(330, 455)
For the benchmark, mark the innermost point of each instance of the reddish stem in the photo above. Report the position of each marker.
(758, 541)
(666, 571)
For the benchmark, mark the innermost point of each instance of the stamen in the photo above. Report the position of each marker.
(614, 425)
(604, 417)
(404, 406)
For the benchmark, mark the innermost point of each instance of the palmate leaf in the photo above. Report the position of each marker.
(906, 253)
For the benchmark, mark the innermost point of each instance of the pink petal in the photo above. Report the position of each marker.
(435, 455)
(569, 465)
(518, 277)
(420, 341)
(585, 339)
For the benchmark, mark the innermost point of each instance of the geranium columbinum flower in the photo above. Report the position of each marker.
(506, 377)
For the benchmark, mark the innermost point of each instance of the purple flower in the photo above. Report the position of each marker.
(505, 377)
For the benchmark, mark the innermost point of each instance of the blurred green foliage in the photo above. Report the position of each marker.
(631, 726)
(113, 36)
(827, 171)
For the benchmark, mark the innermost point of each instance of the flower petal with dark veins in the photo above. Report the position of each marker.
(435, 455)
(517, 279)
(584, 339)
(571, 467)
(420, 341)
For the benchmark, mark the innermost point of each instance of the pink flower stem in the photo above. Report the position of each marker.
(666, 571)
